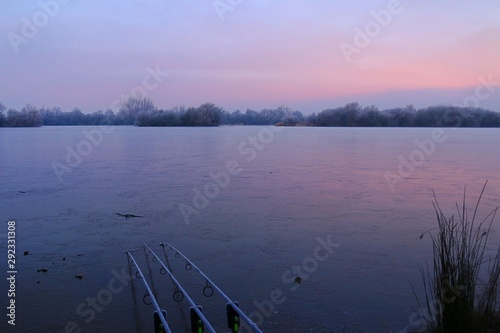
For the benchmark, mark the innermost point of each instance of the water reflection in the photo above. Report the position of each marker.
(305, 183)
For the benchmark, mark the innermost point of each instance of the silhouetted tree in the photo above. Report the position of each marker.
(205, 115)
(142, 112)
(52, 116)
(401, 117)
(28, 117)
(343, 116)
(210, 114)
(2, 117)
(490, 119)
(327, 118)
(251, 117)
(76, 117)
(372, 117)
(32, 115)
(349, 114)
(293, 118)
(130, 109)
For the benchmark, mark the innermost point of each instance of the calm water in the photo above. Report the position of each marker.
(289, 187)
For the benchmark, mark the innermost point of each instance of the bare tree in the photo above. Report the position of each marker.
(209, 114)
(2, 117)
(30, 116)
(134, 106)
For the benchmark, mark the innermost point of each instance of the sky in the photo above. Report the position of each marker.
(240, 54)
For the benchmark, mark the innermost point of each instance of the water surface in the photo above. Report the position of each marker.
(292, 186)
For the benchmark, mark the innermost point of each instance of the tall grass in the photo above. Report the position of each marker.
(462, 289)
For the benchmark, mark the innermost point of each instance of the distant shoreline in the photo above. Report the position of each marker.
(277, 125)
(142, 112)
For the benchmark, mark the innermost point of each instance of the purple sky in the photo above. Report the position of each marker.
(310, 55)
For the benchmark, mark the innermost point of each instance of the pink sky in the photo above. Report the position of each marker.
(255, 54)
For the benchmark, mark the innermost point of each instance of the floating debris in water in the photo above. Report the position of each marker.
(64, 258)
(22, 192)
(43, 270)
(298, 280)
(79, 276)
(128, 215)
(26, 253)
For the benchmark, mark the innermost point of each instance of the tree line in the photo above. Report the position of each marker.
(142, 112)
(435, 116)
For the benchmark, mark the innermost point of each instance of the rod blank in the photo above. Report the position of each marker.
(254, 326)
(193, 305)
(153, 299)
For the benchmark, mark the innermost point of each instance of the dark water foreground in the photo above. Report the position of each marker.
(250, 205)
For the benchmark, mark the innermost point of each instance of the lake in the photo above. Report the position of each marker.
(253, 207)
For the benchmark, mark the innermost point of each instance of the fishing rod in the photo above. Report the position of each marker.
(197, 317)
(210, 283)
(161, 314)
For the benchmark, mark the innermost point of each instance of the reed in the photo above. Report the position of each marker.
(462, 288)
